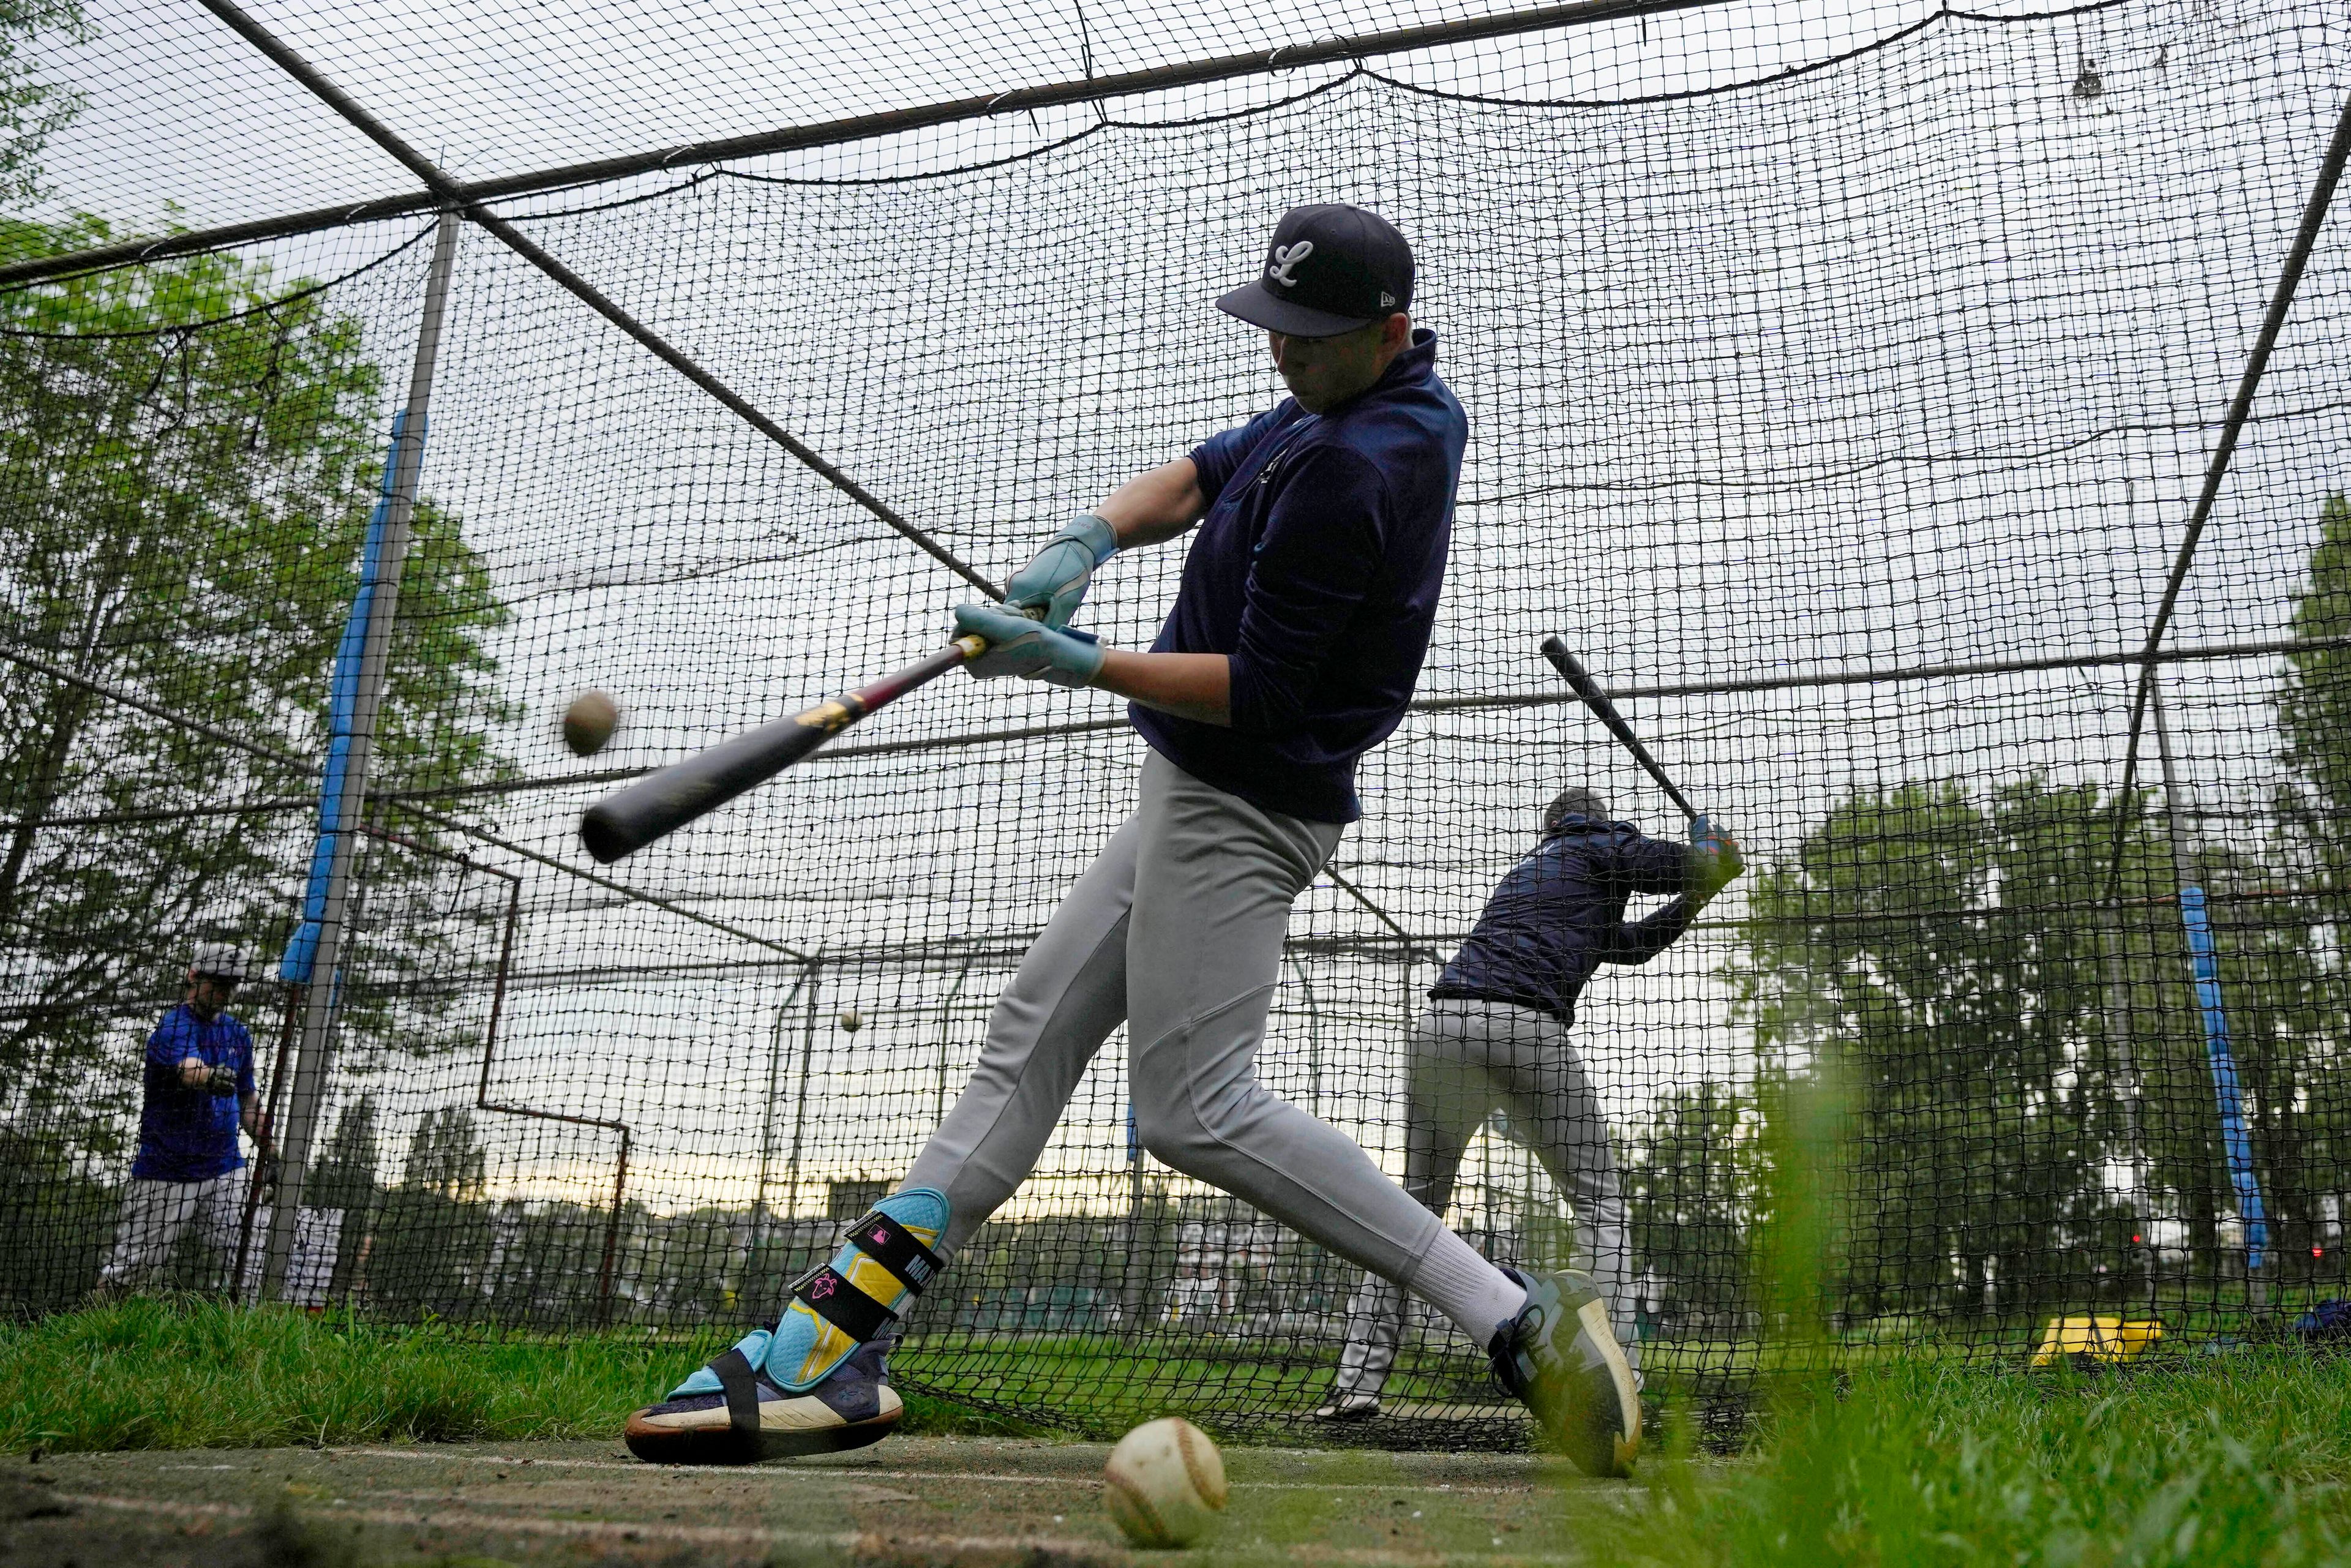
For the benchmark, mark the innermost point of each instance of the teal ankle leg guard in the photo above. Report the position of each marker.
(885, 1260)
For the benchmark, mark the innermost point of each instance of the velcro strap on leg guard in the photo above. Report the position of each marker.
(895, 1247)
(742, 1392)
(831, 1297)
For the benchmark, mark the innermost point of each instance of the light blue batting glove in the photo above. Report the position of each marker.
(1055, 579)
(1030, 649)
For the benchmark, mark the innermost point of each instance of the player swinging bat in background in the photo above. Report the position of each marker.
(1494, 1037)
(1305, 610)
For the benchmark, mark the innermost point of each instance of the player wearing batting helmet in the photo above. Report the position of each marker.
(1308, 595)
(1494, 1038)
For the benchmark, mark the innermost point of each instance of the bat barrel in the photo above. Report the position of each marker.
(663, 802)
(660, 804)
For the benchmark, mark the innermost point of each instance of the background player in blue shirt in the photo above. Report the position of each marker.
(1308, 593)
(1494, 1038)
(198, 1091)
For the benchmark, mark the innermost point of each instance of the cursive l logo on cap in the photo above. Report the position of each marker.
(1286, 256)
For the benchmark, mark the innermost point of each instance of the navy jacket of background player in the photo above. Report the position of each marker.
(1559, 914)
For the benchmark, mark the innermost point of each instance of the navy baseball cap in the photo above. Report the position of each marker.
(1330, 270)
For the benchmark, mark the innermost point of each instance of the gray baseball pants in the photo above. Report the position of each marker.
(1176, 930)
(1470, 1059)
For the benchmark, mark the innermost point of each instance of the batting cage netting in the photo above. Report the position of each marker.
(1929, 424)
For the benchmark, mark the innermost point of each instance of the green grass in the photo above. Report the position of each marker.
(183, 1374)
(2234, 1463)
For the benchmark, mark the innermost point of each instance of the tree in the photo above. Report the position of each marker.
(2314, 705)
(445, 1157)
(2285, 955)
(434, 1232)
(344, 1176)
(30, 107)
(1951, 961)
(344, 1173)
(1688, 1182)
(188, 455)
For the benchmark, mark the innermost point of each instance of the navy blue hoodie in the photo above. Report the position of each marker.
(1560, 915)
(1317, 569)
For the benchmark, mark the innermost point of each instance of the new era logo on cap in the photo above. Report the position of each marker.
(1330, 270)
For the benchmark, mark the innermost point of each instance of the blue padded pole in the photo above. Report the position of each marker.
(313, 958)
(2204, 962)
(343, 688)
(2235, 1143)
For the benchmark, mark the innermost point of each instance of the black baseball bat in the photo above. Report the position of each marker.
(1605, 712)
(661, 803)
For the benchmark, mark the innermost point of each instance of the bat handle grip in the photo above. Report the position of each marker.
(973, 644)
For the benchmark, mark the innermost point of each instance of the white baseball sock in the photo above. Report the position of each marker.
(1457, 1281)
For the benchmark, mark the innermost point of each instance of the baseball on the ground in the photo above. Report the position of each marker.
(1164, 1482)
(589, 722)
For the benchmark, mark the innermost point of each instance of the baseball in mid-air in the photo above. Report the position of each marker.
(851, 1021)
(1164, 1482)
(589, 722)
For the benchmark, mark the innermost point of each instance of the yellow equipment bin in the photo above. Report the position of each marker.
(2096, 1338)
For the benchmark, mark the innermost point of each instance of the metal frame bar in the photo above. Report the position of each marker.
(604, 1268)
(856, 128)
(2232, 427)
(447, 193)
(1881, 676)
(760, 1213)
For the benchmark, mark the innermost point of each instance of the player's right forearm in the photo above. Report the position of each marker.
(1155, 506)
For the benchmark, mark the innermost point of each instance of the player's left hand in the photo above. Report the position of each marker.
(223, 1082)
(1056, 576)
(1030, 649)
(1717, 854)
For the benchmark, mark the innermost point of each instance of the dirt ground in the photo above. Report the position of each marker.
(911, 1500)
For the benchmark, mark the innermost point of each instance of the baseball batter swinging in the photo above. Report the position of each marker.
(1495, 1038)
(1305, 609)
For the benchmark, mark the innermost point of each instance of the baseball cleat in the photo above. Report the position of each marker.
(1344, 1407)
(1560, 1356)
(751, 1418)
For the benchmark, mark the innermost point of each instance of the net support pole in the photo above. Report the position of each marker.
(2131, 1091)
(799, 1104)
(760, 1212)
(313, 957)
(1133, 1273)
(2219, 1055)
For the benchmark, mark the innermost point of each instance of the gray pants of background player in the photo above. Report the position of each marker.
(1470, 1059)
(1177, 931)
(154, 1213)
